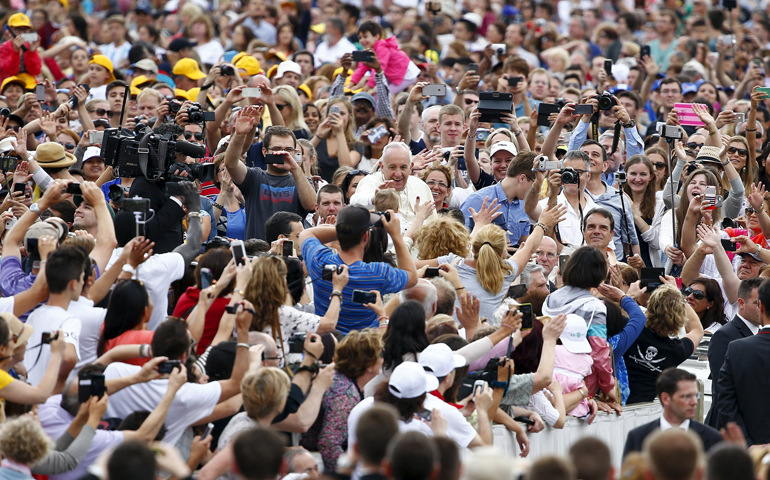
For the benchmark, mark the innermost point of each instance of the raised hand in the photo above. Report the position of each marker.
(553, 215)
(756, 196)
(487, 213)
(703, 114)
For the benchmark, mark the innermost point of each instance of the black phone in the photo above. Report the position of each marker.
(362, 296)
(513, 81)
(474, 67)
(608, 67)
(273, 159)
(74, 189)
(206, 278)
(32, 250)
(645, 51)
(584, 109)
(288, 248)
(362, 56)
(431, 272)
(562, 261)
(40, 92)
(728, 245)
(523, 419)
(19, 187)
(90, 385)
(46, 337)
(239, 252)
(544, 110)
(516, 291)
(527, 320)
(168, 366)
(649, 278)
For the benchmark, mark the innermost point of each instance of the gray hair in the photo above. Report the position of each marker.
(577, 155)
(393, 145)
(291, 454)
(424, 115)
(621, 143)
(425, 293)
(447, 296)
(526, 274)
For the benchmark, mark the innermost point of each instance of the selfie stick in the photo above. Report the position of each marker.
(670, 142)
(624, 220)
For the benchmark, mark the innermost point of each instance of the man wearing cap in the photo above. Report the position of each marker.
(289, 73)
(180, 48)
(187, 74)
(16, 54)
(335, 45)
(145, 67)
(352, 230)
(364, 105)
(395, 172)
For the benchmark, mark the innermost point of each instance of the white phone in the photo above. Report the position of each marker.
(96, 137)
(30, 37)
(254, 92)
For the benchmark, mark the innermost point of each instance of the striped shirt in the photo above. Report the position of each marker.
(363, 276)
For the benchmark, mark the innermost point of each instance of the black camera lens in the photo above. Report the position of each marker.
(227, 71)
(5, 112)
(446, 154)
(606, 101)
(569, 176)
(174, 106)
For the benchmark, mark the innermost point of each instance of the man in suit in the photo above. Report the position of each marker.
(678, 392)
(743, 383)
(745, 324)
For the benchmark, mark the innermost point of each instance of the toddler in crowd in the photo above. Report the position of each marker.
(399, 70)
(573, 361)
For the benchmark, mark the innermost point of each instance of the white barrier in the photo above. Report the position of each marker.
(612, 429)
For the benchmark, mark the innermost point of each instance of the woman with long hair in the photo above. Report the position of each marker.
(657, 348)
(640, 186)
(740, 155)
(659, 159)
(79, 58)
(441, 237)
(268, 291)
(335, 140)
(286, 40)
(287, 102)
(373, 151)
(242, 37)
(704, 295)
(312, 116)
(349, 178)
(209, 49)
(125, 322)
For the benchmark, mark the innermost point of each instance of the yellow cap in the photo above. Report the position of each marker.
(238, 56)
(319, 28)
(274, 53)
(271, 71)
(135, 91)
(249, 64)
(192, 93)
(26, 81)
(19, 20)
(181, 94)
(140, 80)
(338, 71)
(189, 68)
(65, 3)
(105, 62)
(307, 91)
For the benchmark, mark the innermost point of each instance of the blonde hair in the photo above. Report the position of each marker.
(440, 237)
(488, 248)
(264, 392)
(386, 200)
(149, 92)
(23, 440)
(349, 133)
(87, 243)
(267, 291)
(340, 174)
(666, 311)
(297, 120)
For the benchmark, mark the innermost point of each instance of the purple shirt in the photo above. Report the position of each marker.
(13, 279)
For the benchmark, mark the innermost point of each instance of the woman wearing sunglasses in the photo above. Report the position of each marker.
(704, 295)
(659, 158)
(738, 153)
(68, 139)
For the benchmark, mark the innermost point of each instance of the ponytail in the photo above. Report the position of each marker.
(491, 269)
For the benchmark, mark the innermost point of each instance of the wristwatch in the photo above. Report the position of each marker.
(35, 208)
(630, 124)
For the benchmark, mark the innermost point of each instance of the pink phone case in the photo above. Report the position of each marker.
(687, 116)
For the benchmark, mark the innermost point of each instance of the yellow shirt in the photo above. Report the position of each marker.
(5, 379)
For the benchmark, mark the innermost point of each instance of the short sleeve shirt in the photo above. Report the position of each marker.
(266, 194)
(514, 220)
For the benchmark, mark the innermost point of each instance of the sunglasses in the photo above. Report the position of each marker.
(758, 134)
(15, 128)
(468, 101)
(697, 294)
(750, 210)
(693, 145)
(280, 106)
(198, 135)
(741, 151)
(102, 112)
(353, 173)
(659, 165)
(67, 146)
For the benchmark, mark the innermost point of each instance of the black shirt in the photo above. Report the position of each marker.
(647, 357)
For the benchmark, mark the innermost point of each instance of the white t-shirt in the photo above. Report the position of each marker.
(157, 273)
(366, 404)
(48, 318)
(7, 304)
(210, 52)
(569, 228)
(55, 421)
(91, 320)
(192, 402)
(331, 54)
(458, 428)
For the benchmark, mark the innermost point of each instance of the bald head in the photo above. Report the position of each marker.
(425, 293)
(547, 255)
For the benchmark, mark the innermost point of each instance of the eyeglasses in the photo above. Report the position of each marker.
(548, 255)
(281, 106)
(693, 145)
(741, 151)
(433, 183)
(659, 165)
(67, 146)
(198, 135)
(277, 150)
(696, 294)
(270, 358)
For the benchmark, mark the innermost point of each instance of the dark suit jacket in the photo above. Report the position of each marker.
(744, 387)
(165, 228)
(735, 329)
(635, 440)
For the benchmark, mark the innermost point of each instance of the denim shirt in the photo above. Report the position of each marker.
(514, 220)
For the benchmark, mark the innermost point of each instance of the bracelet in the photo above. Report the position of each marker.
(542, 225)
(379, 319)
(245, 345)
(194, 214)
(506, 325)
(751, 129)
(313, 369)
(240, 292)
(714, 132)
(206, 87)
(216, 205)
(581, 393)
(384, 323)
(499, 384)
(336, 294)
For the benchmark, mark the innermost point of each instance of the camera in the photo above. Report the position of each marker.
(196, 114)
(168, 366)
(669, 132)
(620, 177)
(116, 193)
(5, 112)
(489, 375)
(570, 176)
(73, 101)
(174, 106)
(329, 271)
(227, 70)
(543, 164)
(297, 343)
(47, 338)
(606, 101)
(195, 171)
(560, 102)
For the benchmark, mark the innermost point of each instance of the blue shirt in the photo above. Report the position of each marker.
(634, 142)
(514, 220)
(363, 276)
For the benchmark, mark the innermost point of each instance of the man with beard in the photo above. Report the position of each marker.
(537, 287)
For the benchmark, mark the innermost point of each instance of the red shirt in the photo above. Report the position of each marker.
(185, 306)
(131, 337)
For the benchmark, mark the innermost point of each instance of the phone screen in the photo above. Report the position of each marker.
(239, 253)
(40, 93)
(527, 322)
(288, 248)
(206, 278)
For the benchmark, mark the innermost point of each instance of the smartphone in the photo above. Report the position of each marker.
(765, 90)
(232, 309)
(527, 320)
(608, 67)
(362, 296)
(478, 387)
(334, 109)
(513, 81)
(516, 291)
(728, 245)
(40, 91)
(19, 187)
(168, 366)
(473, 67)
(544, 110)
(30, 37)
(434, 90)
(96, 137)
(288, 248)
(207, 431)
(584, 109)
(206, 278)
(252, 92)
(275, 159)
(431, 272)
(644, 51)
(239, 252)
(711, 198)
(362, 56)
(98, 387)
(740, 117)
(74, 189)
(32, 250)
(650, 278)
(90, 385)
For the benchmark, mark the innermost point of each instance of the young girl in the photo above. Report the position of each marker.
(399, 70)
(573, 362)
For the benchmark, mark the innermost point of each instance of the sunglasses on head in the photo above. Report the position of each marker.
(741, 151)
(697, 294)
(198, 135)
(353, 173)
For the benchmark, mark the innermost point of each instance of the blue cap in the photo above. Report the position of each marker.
(166, 79)
(229, 55)
(621, 87)
(689, 88)
(656, 85)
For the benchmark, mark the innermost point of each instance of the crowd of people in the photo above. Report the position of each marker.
(345, 238)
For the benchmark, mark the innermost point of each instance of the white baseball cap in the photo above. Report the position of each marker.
(439, 360)
(575, 335)
(92, 152)
(288, 66)
(410, 380)
(507, 146)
